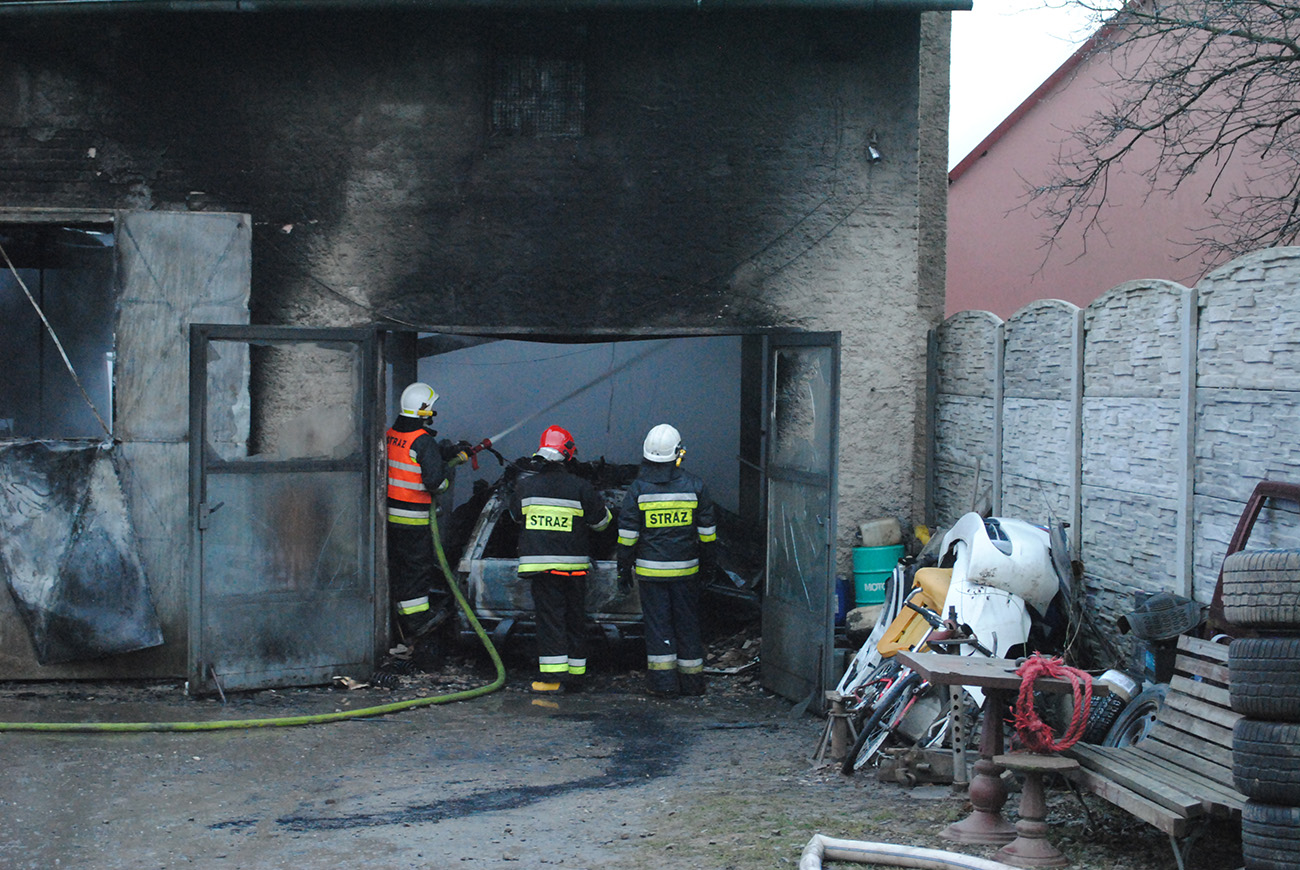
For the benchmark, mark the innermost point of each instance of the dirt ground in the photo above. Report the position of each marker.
(607, 778)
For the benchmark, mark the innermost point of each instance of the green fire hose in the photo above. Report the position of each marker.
(284, 721)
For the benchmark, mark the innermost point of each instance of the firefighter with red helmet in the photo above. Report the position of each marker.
(417, 472)
(556, 510)
(666, 535)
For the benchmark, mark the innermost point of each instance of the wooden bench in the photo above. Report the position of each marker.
(1180, 775)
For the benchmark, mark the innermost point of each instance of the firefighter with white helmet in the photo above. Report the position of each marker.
(666, 533)
(556, 510)
(417, 472)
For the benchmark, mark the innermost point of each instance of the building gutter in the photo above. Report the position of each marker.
(39, 7)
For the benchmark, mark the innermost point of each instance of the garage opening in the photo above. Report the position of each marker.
(758, 416)
(608, 394)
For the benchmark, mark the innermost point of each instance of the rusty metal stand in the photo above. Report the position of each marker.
(957, 729)
(838, 734)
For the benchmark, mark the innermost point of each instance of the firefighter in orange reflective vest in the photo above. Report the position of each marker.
(666, 530)
(555, 510)
(417, 472)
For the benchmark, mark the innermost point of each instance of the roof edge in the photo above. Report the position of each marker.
(1039, 94)
(37, 7)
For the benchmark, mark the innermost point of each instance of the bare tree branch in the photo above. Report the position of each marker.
(1197, 89)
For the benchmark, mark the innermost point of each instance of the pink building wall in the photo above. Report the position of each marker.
(998, 260)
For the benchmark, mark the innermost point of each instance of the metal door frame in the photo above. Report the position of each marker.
(201, 466)
(773, 343)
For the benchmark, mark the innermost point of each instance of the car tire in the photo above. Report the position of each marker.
(1270, 836)
(1264, 677)
(1261, 588)
(1102, 715)
(1138, 717)
(1266, 761)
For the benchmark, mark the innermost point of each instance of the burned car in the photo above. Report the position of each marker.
(482, 542)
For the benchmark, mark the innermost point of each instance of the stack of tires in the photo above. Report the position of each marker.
(1261, 591)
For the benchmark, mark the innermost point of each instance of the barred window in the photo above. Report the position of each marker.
(539, 97)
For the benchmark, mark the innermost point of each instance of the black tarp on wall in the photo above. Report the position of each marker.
(68, 553)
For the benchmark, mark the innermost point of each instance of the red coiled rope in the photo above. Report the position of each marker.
(1034, 732)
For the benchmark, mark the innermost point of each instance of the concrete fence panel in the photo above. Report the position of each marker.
(1248, 401)
(965, 410)
(1148, 417)
(1040, 408)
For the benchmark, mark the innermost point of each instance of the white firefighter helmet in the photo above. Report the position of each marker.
(663, 444)
(417, 401)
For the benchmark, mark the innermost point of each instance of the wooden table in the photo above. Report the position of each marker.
(1001, 684)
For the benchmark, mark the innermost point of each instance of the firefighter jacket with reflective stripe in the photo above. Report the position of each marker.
(666, 524)
(555, 509)
(415, 472)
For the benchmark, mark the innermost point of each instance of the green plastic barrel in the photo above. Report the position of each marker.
(871, 568)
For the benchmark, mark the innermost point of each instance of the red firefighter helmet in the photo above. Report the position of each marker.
(556, 444)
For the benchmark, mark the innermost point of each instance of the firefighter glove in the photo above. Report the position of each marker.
(450, 451)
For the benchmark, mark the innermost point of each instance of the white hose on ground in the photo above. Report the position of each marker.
(821, 848)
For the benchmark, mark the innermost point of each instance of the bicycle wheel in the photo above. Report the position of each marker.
(861, 700)
(878, 725)
(860, 666)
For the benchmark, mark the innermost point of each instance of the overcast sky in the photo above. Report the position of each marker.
(1001, 51)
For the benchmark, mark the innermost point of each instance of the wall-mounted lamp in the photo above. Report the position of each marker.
(873, 150)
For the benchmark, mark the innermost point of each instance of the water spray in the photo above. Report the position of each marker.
(468, 454)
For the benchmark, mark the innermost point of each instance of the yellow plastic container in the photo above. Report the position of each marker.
(909, 627)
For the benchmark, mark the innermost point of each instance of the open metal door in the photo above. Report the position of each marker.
(798, 604)
(282, 588)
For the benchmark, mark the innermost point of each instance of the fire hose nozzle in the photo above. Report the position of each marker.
(470, 454)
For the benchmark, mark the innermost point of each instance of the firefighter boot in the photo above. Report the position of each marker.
(541, 687)
(662, 684)
(412, 627)
(692, 684)
(429, 652)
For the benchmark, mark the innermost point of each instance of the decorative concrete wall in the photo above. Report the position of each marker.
(966, 359)
(1040, 412)
(1148, 416)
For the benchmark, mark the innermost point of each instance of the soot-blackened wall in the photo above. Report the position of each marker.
(710, 172)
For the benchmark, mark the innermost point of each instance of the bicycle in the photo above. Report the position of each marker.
(894, 708)
(886, 696)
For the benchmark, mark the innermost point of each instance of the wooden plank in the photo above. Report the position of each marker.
(1194, 730)
(1165, 784)
(1165, 732)
(1210, 777)
(1213, 696)
(1134, 775)
(1215, 790)
(1201, 749)
(1155, 770)
(1204, 648)
(1208, 762)
(1131, 802)
(1183, 769)
(1204, 671)
(1158, 777)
